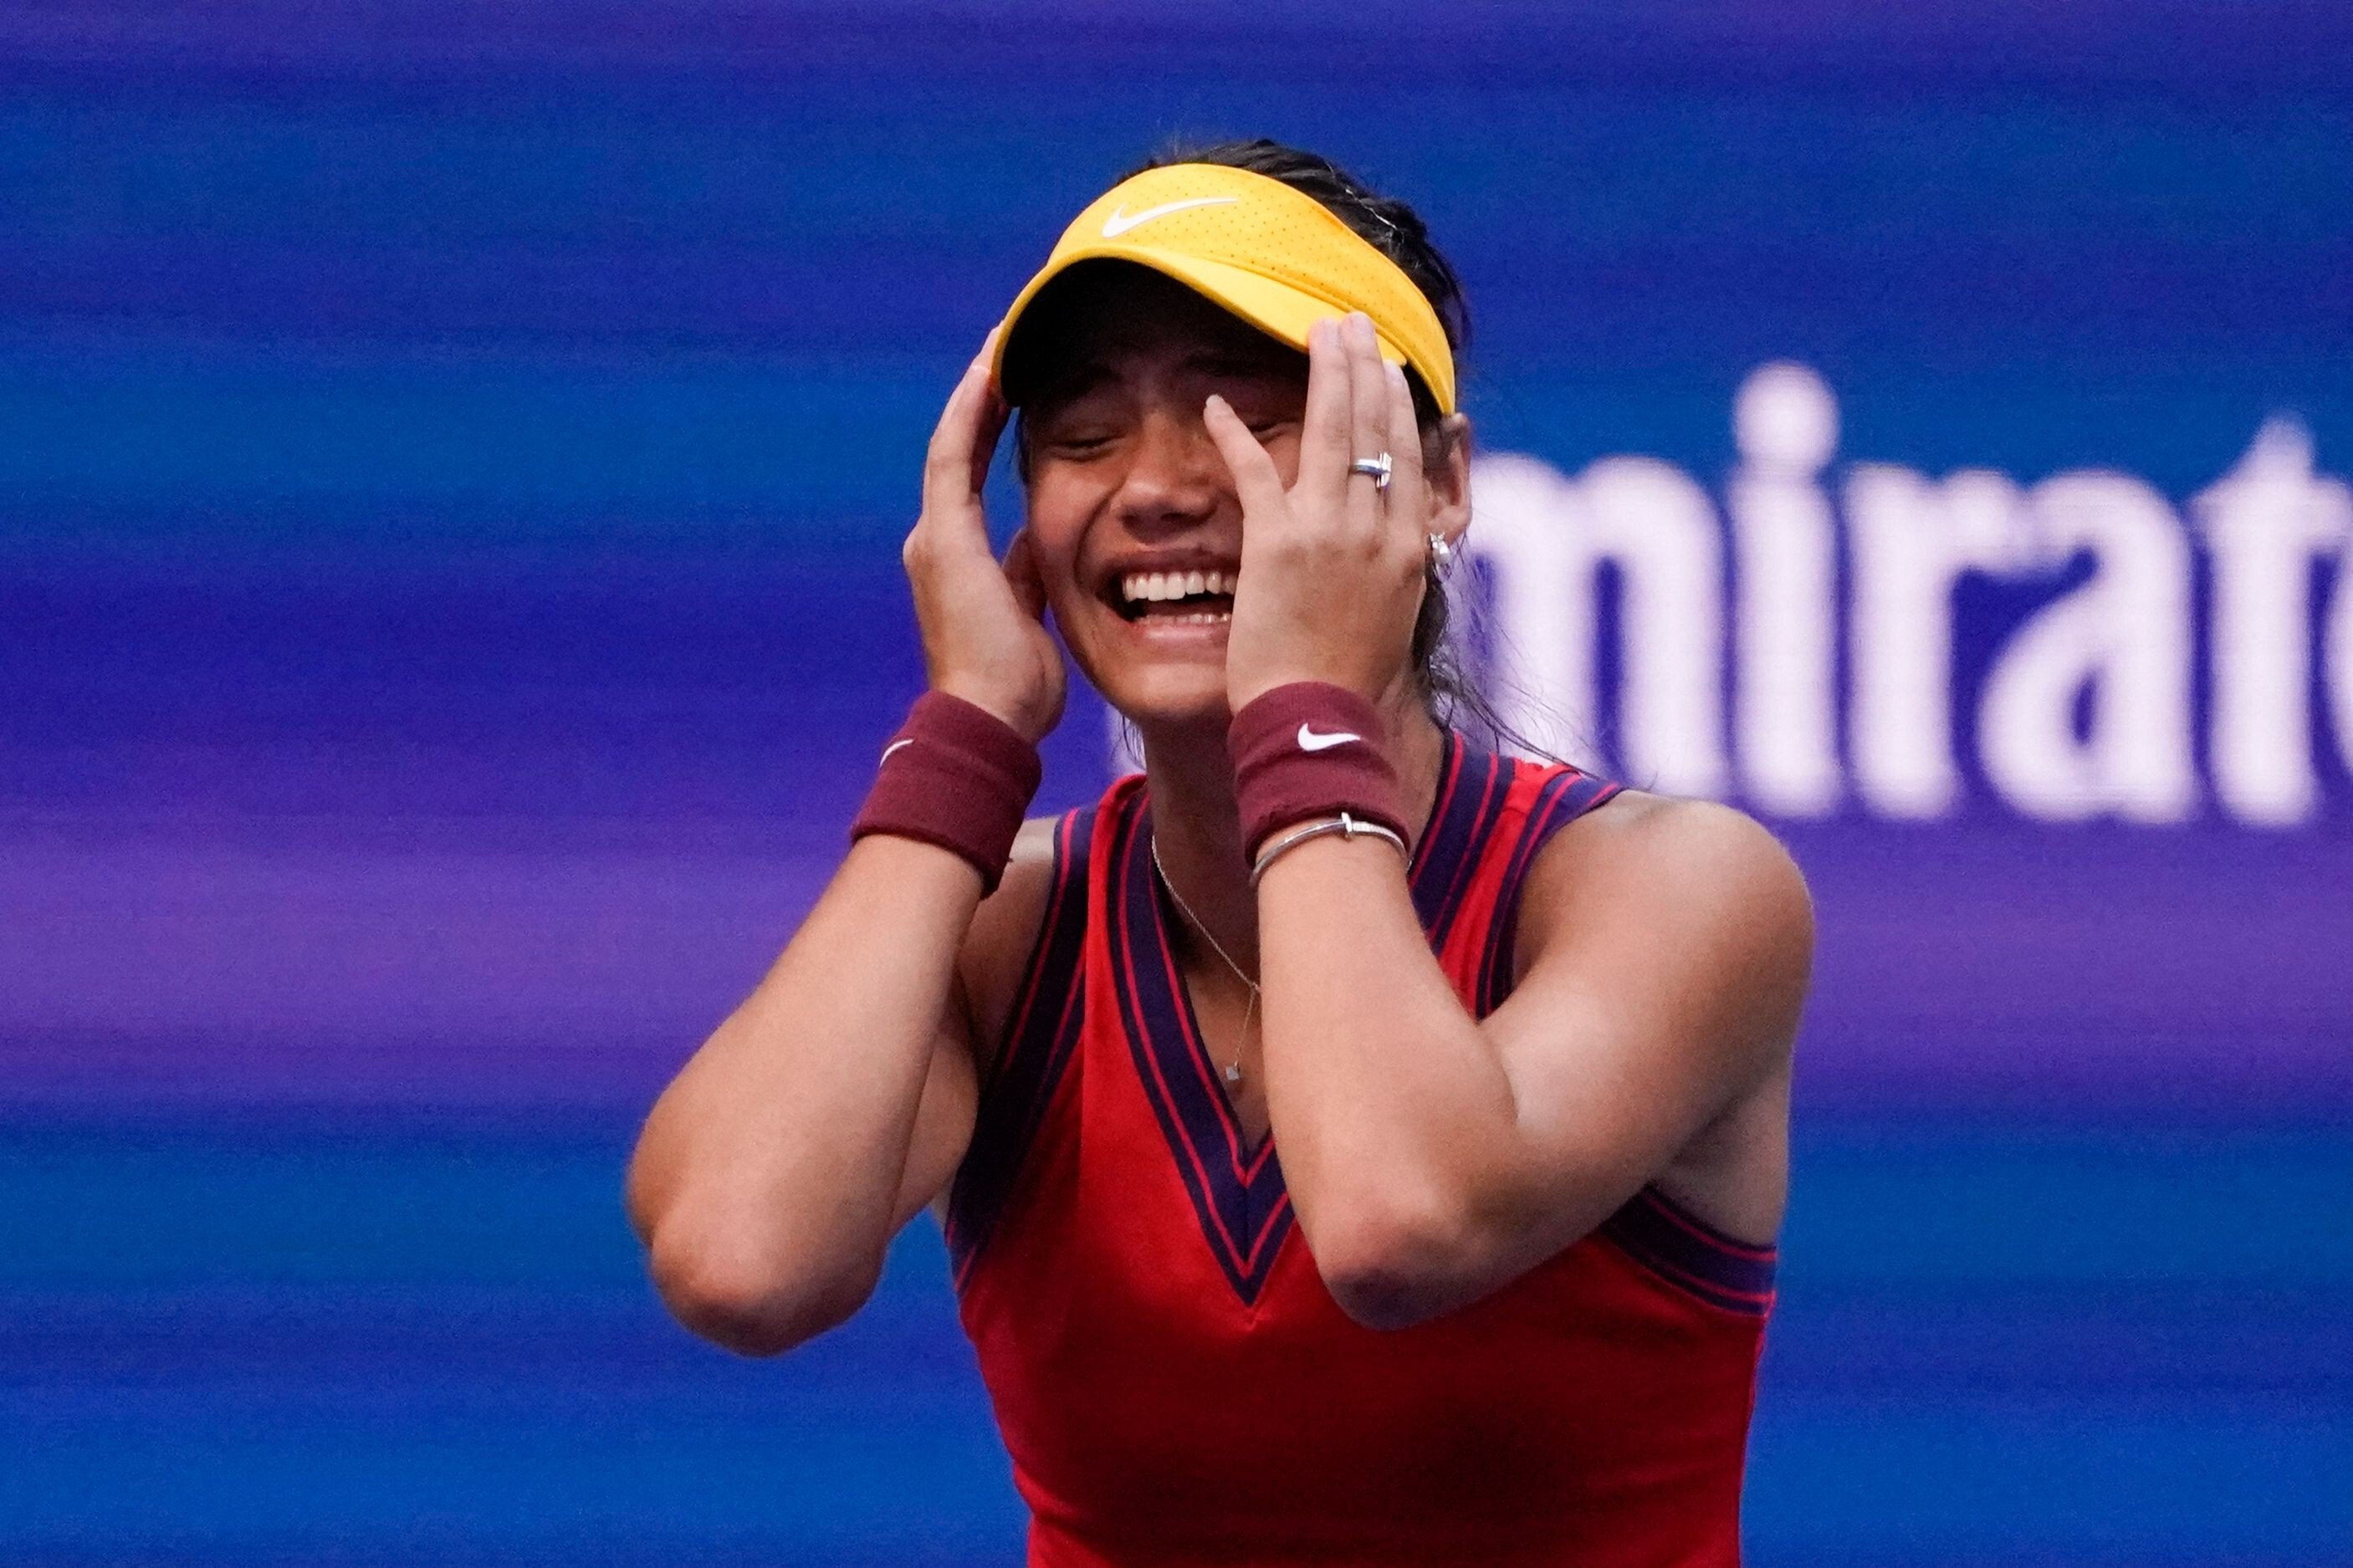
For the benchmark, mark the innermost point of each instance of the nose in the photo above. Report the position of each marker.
(1173, 476)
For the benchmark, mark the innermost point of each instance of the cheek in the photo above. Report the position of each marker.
(1056, 519)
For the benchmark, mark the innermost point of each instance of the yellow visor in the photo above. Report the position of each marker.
(1275, 257)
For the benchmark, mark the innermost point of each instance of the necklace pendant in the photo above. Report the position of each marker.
(1234, 1072)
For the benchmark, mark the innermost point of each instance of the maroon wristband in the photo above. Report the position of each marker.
(1311, 750)
(956, 775)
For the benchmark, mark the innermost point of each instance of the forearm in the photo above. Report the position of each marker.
(1431, 1157)
(1399, 1125)
(770, 1173)
(773, 1163)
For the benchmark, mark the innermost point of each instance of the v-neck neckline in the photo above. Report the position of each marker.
(1237, 1190)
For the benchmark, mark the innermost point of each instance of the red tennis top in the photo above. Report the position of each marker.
(1173, 1381)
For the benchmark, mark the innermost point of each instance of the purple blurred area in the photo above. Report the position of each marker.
(517, 829)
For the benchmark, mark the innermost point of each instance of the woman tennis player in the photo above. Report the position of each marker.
(1355, 1146)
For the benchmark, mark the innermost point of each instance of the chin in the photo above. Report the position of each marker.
(1150, 626)
(1168, 694)
(1163, 669)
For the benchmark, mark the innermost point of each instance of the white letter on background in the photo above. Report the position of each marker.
(1785, 554)
(2266, 521)
(1523, 514)
(1549, 537)
(2125, 635)
(1659, 528)
(1912, 538)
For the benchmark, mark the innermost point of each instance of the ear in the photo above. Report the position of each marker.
(1446, 466)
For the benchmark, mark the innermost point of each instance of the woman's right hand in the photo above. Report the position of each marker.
(985, 638)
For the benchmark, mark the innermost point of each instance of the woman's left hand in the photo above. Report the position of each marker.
(1332, 567)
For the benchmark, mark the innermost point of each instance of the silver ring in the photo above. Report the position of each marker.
(1377, 466)
(1441, 553)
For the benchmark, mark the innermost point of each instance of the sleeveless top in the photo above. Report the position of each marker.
(1174, 1383)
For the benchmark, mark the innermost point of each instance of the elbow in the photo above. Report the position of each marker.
(1391, 1267)
(751, 1307)
(1384, 1299)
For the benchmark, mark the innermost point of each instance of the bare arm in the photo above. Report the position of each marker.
(837, 1100)
(774, 1169)
(1431, 1158)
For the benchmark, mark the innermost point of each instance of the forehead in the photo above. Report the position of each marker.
(1102, 319)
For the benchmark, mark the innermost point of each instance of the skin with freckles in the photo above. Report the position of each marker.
(1125, 472)
(1663, 946)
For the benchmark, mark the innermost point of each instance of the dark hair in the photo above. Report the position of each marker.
(1398, 232)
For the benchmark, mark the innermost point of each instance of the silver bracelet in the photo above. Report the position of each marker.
(1347, 826)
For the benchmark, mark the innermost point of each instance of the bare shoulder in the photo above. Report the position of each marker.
(1682, 930)
(1680, 852)
(1004, 928)
(1704, 891)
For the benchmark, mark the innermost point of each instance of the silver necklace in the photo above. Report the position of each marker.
(1233, 1070)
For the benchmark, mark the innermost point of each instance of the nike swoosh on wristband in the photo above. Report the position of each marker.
(893, 747)
(1309, 741)
(1119, 222)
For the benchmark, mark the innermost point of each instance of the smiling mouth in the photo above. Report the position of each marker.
(1195, 598)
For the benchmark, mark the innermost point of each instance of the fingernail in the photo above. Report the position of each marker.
(1214, 402)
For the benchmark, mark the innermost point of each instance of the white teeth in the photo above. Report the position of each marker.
(1150, 588)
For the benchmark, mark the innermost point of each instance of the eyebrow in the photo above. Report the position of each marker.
(1228, 362)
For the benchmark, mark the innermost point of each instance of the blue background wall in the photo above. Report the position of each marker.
(451, 459)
